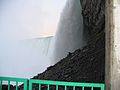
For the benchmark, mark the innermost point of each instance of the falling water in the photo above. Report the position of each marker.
(69, 35)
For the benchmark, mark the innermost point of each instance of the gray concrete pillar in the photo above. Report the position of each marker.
(112, 67)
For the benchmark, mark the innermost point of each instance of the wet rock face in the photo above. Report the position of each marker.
(87, 64)
(94, 16)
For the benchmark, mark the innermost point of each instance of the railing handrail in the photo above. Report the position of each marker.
(13, 79)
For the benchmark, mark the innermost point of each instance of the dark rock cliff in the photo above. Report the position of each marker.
(88, 64)
(94, 17)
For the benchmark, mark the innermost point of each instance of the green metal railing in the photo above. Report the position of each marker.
(64, 84)
(17, 80)
(46, 85)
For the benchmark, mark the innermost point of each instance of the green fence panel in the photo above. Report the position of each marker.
(17, 80)
(65, 84)
(47, 84)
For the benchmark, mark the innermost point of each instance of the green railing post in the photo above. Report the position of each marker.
(103, 87)
(16, 85)
(30, 85)
(39, 86)
(82, 88)
(65, 88)
(56, 87)
(48, 87)
(73, 87)
(8, 85)
(0, 84)
(25, 85)
(91, 88)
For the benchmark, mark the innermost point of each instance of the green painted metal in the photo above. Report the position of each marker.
(91, 88)
(10, 79)
(29, 86)
(48, 87)
(73, 87)
(39, 86)
(65, 88)
(16, 85)
(8, 85)
(65, 84)
(82, 88)
(0, 84)
(56, 87)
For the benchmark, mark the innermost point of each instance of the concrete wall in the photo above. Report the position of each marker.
(112, 75)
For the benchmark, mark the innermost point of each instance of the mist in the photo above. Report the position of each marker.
(26, 27)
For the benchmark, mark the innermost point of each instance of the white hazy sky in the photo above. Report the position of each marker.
(23, 19)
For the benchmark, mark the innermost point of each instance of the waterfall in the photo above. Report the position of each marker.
(69, 35)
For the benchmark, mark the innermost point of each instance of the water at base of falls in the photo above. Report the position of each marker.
(24, 58)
